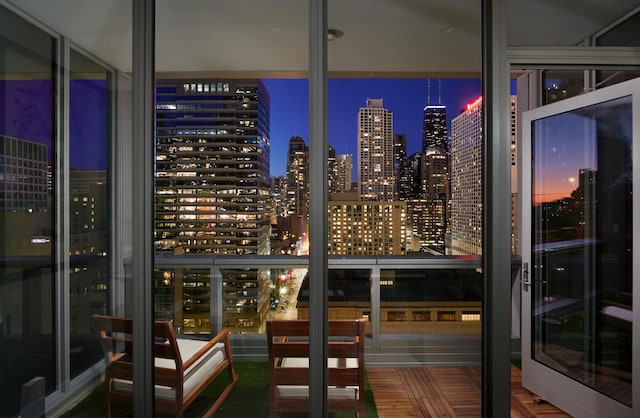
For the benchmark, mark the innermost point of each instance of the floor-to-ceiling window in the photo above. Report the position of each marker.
(56, 208)
(89, 209)
(27, 208)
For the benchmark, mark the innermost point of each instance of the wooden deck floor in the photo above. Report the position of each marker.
(445, 392)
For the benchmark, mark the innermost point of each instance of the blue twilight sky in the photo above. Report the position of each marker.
(405, 97)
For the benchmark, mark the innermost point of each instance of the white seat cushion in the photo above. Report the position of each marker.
(291, 391)
(301, 391)
(192, 376)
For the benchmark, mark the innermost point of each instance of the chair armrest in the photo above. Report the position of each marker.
(222, 336)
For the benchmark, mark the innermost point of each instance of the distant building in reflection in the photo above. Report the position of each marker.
(571, 217)
(23, 175)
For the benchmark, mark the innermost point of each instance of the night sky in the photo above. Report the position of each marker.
(28, 114)
(405, 97)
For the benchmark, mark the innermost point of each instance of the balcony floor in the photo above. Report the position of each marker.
(442, 391)
(391, 392)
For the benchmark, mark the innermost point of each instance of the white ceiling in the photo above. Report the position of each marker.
(381, 37)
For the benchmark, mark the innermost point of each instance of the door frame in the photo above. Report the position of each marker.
(564, 392)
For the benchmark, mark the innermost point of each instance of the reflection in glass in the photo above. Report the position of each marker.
(88, 206)
(582, 244)
(27, 196)
(184, 296)
(252, 296)
(441, 301)
(561, 84)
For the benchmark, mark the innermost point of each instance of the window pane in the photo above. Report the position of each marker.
(427, 302)
(582, 240)
(27, 196)
(89, 207)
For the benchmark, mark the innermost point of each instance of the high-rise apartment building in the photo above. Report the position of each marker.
(366, 228)
(466, 180)
(212, 166)
(376, 173)
(344, 168)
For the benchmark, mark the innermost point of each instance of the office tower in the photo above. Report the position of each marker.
(24, 190)
(466, 186)
(435, 164)
(434, 128)
(297, 177)
(344, 165)
(332, 170)
(435, 169)
(366, 228)
(375, 152)
(403, 185)
(298, 185)
(212, 166)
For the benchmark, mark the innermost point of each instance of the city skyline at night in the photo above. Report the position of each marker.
(405, 97)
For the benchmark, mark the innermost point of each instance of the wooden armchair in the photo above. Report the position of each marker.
(183, 367)
(289, 366)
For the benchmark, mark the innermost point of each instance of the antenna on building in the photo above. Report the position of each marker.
(428, 91)
(439, 92)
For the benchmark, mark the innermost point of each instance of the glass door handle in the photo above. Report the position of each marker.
(525, 277)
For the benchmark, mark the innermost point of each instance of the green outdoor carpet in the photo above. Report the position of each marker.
(250, 397)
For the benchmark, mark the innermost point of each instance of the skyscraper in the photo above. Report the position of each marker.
(403, 185)
(344, 168)
(297, 177)
(298, 185)
(466, 183)
(212, 166)
(434, 128)
(332, 170)
(376, 174)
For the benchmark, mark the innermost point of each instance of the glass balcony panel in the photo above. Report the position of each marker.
(430, 301)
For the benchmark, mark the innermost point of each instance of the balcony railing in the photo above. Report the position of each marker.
(418, 310)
